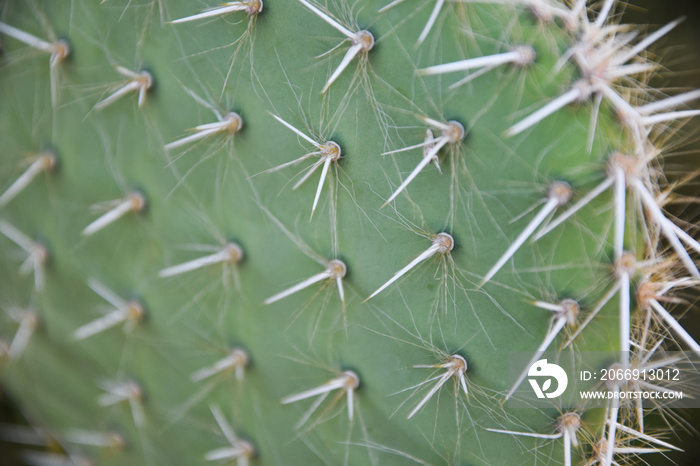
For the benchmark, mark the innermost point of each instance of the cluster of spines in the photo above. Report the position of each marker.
(604, 60)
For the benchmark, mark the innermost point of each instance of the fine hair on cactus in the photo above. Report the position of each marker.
(344, 232)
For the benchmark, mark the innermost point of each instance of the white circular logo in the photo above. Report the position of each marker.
(543, 369)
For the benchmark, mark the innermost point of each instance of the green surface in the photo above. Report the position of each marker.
(217, 190)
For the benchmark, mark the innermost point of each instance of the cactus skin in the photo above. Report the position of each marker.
(217, 190)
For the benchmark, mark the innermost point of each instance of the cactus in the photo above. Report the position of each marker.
(375, 202)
